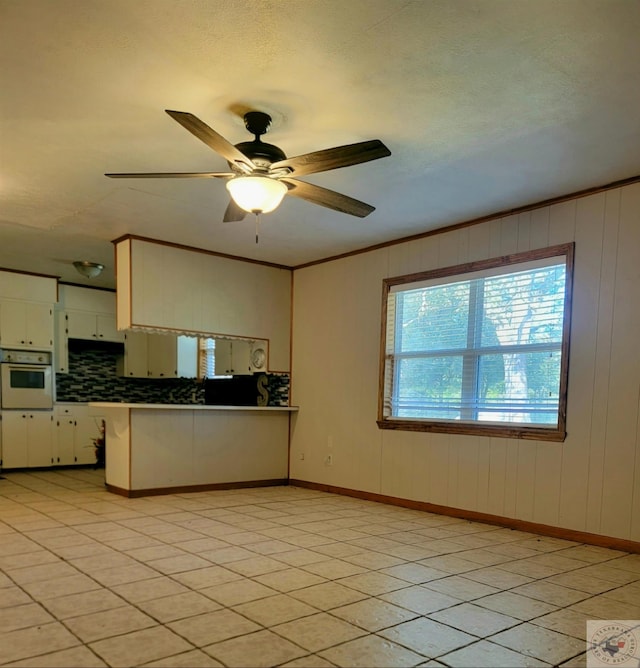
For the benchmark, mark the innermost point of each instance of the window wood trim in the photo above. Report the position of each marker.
(556, 433)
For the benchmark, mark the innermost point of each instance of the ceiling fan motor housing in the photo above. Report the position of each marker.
(261, 153)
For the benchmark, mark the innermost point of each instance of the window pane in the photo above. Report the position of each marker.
(429, 388)
(524, 307)
(207, 351)
(433, 318)
(519, 387)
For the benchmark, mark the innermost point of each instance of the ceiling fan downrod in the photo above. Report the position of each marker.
(257, 123)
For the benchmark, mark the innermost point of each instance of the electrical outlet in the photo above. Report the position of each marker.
(301, 456)
(329, 460)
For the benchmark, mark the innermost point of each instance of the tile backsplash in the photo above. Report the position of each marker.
(93, 377)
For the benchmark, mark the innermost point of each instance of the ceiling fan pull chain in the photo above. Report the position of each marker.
(257, 224)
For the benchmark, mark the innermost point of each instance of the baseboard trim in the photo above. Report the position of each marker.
(521, 525)
(182, 489)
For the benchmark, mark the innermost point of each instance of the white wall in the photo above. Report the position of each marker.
(591, 482)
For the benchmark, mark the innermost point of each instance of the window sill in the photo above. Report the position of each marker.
(494, 431)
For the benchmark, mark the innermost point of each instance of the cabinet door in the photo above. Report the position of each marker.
(40, 439)
(135, 355)
(232, 357)
(162, 356)
(14, 440)
(26, 324)
(61, 349)
(222, 360)
(81, 325)
(187, 356)
(13, 324)
(65, 428)
(241, 357)
(106, 328)
(39, 326)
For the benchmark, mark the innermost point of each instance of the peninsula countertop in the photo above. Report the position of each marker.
(190, 407)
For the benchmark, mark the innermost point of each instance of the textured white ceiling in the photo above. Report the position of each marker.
(485, 105)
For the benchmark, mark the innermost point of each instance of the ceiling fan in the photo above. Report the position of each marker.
(261, 174)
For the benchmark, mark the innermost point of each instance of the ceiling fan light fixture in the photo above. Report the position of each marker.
(88, 269)
(256, 194)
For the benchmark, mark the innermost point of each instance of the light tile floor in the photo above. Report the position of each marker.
(283, 576)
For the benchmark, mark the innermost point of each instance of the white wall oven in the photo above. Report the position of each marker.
(25, 379)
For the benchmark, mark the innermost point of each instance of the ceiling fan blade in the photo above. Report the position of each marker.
(328, 198)
(173, 175)
(212, 139)
(233, 213)
(333, 158)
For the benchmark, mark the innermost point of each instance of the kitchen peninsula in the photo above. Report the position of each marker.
(165, 448)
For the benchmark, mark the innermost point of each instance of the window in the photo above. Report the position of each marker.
(480, 348)
(207, 358)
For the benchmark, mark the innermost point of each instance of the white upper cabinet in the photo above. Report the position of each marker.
(90, 314)
(233, 358)
(26, 310)
(61, 349)
(134, 361)
(162, 356)
(159, 356)
(194, 292)
(25, 324)
(93, 326)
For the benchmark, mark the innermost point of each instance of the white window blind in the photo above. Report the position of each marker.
(207, 358)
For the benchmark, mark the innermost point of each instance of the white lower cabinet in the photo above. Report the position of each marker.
(65, 428)
(60, 437)
(27, 439)
(75, 431)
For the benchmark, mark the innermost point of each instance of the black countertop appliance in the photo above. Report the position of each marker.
(236, 391)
